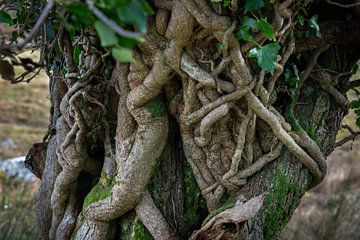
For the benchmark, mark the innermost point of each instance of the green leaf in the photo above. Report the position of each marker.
(226, 3)
(266, 56)
(216, 1)
(266, 28)
(301, 19)
(355, 104)
(5, 17)
(358, 122)
(122, 54)
(355, 68)
(251, 5)
(135, 13)
(82, 13)
(357, 111)
(296, 72)
(292, 76)
(244, 34)
(313, 24)
(76, 53)
(249, 22)
(107, 36)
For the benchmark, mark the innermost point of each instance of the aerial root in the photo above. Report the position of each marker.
(153, 219)
(274, 123)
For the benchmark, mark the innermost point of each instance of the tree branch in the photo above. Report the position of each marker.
(34, 31)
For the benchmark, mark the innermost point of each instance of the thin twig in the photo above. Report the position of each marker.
(355, 4)
(352, 136)
(35, 29)
(111, 24)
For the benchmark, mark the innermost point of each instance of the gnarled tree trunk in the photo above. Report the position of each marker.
(192, 141)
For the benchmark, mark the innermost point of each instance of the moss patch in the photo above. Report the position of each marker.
(227, 202)
(101, 190)
(156, 107)
(193, 199)
(139, 231)
(276, 215)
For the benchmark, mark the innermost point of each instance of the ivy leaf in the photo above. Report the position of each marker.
(122, 54)
(313, 24)
(107, 36)
(266, 28)
(251, 5)
(244, 34)
(301, 19)
(5, 17)
(266, 56)
(358, 122)
(135, 13)
(81, 12)
(249, 22)
(355, 104)
(76, 53)
(292, 76)
(355, 68)
(226, 3)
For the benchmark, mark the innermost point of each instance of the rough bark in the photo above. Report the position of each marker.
(189, 134)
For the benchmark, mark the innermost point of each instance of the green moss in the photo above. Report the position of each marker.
(193, 199)
(276, 216)
(101, 190)
(227, 202)
(156, 107)
(139, 231)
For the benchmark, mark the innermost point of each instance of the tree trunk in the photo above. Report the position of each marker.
(167, 149)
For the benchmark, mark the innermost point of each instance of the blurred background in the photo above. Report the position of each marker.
(330, 211)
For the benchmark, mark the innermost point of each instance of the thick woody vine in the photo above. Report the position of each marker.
(217, 99)
(205, 66)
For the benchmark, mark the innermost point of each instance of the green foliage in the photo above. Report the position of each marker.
(80, 14)
(251, 5)
(355, 68)
(135, 13)
(308, 24)
(122, 54)
(355, 104)
(107, 36)
(313, 24)
(244, 33)
(292, 76)
(266, 28)
(276, 215)
(266, 56)
(249, 24)
(5, 17)
(76, 53)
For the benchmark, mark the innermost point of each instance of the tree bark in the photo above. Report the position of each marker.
(172, 148)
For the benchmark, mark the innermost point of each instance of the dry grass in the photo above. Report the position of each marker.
(24, 113)
(17, 213)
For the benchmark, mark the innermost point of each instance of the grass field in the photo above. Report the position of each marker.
(24, 115)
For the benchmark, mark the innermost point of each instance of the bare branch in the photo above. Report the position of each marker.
(355, 4)
(34, 31)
